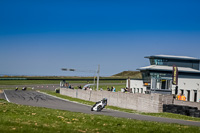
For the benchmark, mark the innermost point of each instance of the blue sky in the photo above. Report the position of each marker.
(39, 37)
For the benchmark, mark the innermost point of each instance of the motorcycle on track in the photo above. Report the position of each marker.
(99, 105)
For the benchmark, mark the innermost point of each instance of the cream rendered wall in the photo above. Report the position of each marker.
(183, 84)
(188, 84)
(136, 84)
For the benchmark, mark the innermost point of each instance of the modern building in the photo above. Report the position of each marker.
(157, 78)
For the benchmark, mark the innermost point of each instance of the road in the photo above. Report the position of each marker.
(38, 99)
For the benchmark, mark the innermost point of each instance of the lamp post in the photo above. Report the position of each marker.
(90, 71)
(98, 77)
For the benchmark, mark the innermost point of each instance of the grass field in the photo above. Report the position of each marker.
(29, 82)
(19, 118)
(43, 82)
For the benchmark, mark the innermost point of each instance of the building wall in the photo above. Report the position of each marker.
(184, 84)
(136, 86)
(188, 84)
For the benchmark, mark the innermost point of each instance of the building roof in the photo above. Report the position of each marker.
(173, 57)
(169, 68)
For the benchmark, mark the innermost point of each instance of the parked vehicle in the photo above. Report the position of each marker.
(88, 86)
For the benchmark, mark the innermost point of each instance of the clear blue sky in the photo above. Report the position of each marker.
(39, 37)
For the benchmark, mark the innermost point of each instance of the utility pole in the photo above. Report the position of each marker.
(98, 77)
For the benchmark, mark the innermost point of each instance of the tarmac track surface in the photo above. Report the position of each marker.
(34, 98)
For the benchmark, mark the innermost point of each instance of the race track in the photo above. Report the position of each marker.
(38, 99)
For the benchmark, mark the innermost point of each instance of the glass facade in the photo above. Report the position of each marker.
(157, 80)
(158, 61)
(146, 77)
(170, 62)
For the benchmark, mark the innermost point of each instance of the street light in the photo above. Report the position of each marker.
(98, 77)
(90, 71)
(65, 69)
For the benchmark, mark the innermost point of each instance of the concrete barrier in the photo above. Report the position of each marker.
(68, 92)
(141, 102)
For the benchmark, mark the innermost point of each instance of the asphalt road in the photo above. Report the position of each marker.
(38, 99)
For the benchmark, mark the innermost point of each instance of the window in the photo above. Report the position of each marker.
(166, 84)
(158, 61)
(182, 92)
(154, 83)
(188, 95)
(176, 90)
(141, 90)
(138, 90)
(195, 95)
(163, 85)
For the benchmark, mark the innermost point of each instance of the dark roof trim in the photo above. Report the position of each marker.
(172, 57)
(161, 70)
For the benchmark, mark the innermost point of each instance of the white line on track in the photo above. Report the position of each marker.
(63, 99)
(6, 96)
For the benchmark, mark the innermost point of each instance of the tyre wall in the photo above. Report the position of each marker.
(187, 103)
(181, 109)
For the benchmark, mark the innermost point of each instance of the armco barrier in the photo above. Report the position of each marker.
(141, 102)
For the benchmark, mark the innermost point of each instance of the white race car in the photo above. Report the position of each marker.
(99, 105)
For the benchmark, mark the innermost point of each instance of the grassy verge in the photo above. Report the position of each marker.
(117, 87)
(166, 115)
(30, 82)
(19, 118)
(45, 82)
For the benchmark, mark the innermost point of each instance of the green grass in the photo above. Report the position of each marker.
(43, 82)
(19, 118)
(117, 87)
(131, 74)
(166, 115)
(30, 82)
